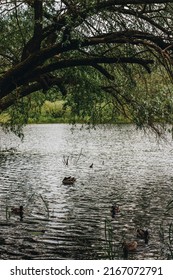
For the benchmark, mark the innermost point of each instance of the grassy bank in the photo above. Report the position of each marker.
(56, 112)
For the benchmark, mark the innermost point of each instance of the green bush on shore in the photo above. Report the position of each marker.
(57, 112)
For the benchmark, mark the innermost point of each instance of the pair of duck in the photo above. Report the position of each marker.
(132, 246)
(69, 180)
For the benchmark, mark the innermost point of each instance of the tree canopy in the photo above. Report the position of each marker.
(88, 51)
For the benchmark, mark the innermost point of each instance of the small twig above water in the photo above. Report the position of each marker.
(80, 154)
(66, 160)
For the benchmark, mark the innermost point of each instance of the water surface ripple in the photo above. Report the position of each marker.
(68, 222)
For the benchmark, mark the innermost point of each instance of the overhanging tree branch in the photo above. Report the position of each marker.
(11, 79)
(9, 100)
(92, 62)
(42, 56)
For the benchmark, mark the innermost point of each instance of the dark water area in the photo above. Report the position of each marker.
(129, 168)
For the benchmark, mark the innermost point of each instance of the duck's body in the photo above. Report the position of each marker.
(130, 246)
(17, 211)
(69, 180)
(115, 210)
(143, 234)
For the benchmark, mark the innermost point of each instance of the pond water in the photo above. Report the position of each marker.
(129, 168)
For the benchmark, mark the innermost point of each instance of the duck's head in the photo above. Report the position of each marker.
(115, 208)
